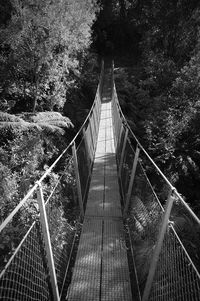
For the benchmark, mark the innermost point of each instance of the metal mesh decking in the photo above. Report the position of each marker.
(101, 269)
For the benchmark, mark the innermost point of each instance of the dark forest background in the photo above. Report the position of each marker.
(50, 52)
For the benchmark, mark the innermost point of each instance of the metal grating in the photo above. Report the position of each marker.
(85, 284)
(115, 274)
(101, 269)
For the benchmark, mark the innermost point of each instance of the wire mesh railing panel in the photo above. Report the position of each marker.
(144, 220)
(92, 137)
(126, 168)
(84, 168)
(86, 149)
(95, 121)
(61, 208)
(92, 125)
(117, 132)
(26, 277)
(175, 278)
(98, 100)
(88, 140)
(188, 231)
(15, 230)
(116, 120)
(120, 144)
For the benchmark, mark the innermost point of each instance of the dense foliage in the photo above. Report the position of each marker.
(47, 72)
(156, 47)
(43, 55)
(43, 44)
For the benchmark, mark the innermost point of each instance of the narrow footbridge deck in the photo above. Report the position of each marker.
(101, 270)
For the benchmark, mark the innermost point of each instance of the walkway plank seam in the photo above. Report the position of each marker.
(101, 269)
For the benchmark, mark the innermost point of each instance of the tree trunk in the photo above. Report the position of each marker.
(34, 103)
(122, 9)
(35, 92)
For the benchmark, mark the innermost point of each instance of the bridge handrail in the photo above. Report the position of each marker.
(152, 161)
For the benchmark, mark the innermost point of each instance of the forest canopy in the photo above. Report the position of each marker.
(42, 47)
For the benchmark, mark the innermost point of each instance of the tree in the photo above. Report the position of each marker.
(45, 40)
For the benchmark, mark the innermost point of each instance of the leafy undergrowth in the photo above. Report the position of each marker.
(29, 145)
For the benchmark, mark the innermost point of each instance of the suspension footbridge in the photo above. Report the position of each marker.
(129, 247)
(101, 268)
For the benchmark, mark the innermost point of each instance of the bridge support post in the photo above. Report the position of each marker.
(47, 243)
(114, 122)
(118, 144)
(158, 246)
(119, 128)
(116, 125)
(91, 136)
(93, 120)
(123, 151)
(78, 182)
(89, 156)
(130, 187)
(96, 124)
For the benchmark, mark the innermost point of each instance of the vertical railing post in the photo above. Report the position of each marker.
(128, 196)
(117, 128)
(47, 243)
(98, 104)
(101, 79)
(112, 77)
(118, 143)
(87, 150)
(158, 246)
(95, 123)
(99, 112)
(91, 135)
(115, 122)
(123, 151)
(78, 183)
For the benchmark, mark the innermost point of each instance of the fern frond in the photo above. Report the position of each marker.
(5, 117)
(59, 123)
(18, 126)
(51, 129)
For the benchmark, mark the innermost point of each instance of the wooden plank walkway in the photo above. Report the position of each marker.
(101, 269)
